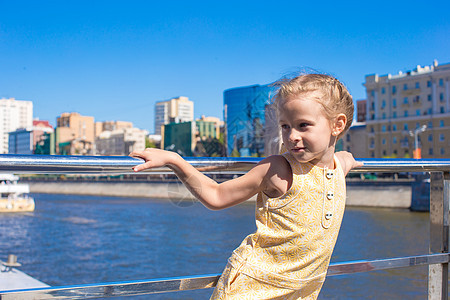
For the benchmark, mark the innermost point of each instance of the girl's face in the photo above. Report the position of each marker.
(307, 133)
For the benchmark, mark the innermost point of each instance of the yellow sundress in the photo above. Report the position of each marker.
(288, 255)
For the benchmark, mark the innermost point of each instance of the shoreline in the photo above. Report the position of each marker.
(365, 194)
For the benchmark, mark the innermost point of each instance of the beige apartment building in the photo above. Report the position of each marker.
(175, 110)
(120, 141)
(111, 126)
(408, 107)
(205, 131)
(74, 134)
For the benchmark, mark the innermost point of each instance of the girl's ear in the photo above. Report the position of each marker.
(339, 124)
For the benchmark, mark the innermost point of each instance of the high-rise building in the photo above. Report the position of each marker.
(74, 134)
(409, 112)
(245, 118)
(14, 114)
(175, 110)
(272, 133)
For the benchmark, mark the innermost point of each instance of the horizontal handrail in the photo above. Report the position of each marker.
(71, 164)
(174, 284)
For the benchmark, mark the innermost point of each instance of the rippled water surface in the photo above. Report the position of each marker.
(86, 239)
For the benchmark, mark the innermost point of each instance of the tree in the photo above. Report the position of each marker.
(148, 143)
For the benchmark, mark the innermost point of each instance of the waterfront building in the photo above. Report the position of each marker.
(272, 133)
(175, 110)
(46, 144)
(40, 128)
(408, 107)
(199, 137)
(179, 137)
(209, 127)
(244, 115)
(20, 141)
(120, 141)
(361, 110)
(111, 126)
(355, 140)
(209, 137)
(25, 140)
(75, 134)
(14, 114)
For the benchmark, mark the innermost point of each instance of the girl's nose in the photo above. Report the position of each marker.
(295, 136)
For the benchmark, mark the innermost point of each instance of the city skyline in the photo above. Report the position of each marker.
(114, 62)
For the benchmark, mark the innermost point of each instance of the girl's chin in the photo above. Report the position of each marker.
(301, 156)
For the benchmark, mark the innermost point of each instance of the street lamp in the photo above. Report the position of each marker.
(417, 152)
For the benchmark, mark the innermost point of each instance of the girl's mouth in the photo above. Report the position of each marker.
(298, 149)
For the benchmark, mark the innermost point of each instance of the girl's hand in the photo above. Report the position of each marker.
(347, 161)
(154, 158)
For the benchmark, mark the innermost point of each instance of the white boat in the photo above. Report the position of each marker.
(13, 195)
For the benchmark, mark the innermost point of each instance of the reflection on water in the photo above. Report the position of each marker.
(86, 239)
(380, 233)
(79, 220)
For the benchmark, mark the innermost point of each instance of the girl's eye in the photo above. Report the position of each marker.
(284, 126)
(304, 124)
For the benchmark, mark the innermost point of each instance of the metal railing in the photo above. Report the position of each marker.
(437, 259)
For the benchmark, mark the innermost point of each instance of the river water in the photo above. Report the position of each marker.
(72, 239)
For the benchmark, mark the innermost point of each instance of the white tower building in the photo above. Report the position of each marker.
(175, 110)
(14, 114)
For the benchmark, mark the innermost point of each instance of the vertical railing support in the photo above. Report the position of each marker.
(439, 234)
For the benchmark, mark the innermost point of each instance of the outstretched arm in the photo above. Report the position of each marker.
(212, 194)
(347, 161)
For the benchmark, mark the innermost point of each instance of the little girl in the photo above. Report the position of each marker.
(301, 194)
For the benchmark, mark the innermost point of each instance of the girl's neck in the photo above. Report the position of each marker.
(327, 160)
(331, 165)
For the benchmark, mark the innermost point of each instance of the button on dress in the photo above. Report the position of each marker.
(288, 255)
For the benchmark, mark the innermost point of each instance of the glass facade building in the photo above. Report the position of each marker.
(244, 115)
(21, 141)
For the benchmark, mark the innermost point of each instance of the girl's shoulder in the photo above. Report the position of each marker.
(347, 161)
(279, 177)
(278, 163)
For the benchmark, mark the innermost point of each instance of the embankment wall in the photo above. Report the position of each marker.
(358, 194)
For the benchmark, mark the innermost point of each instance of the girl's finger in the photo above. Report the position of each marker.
(136, 154)
(138, 168)
(146, 165)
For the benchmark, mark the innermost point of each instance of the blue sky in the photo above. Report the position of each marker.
(114, 59)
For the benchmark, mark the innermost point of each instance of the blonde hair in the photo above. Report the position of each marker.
(334, 96)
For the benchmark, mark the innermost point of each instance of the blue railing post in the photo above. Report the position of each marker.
(439, 234)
